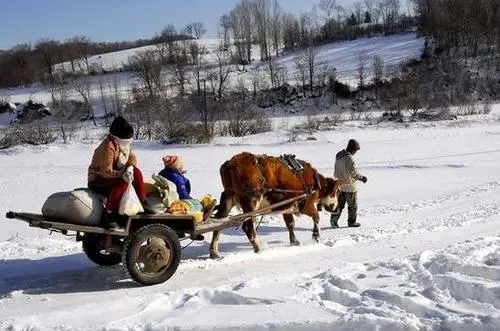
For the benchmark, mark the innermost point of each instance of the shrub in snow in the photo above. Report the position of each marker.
(187, 133)
(6, 139)
(245, 121)
(31, 111)
(38, 133)
(6, 107)
(434, 114)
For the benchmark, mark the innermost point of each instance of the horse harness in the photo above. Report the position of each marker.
(294, 165)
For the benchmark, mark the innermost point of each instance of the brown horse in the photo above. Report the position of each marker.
(254, 181)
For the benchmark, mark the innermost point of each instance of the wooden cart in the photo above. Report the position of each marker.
(148, 245)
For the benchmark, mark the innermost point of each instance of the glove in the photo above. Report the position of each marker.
(128, 174)
(364, 179)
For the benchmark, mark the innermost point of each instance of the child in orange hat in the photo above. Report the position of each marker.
(174, 171)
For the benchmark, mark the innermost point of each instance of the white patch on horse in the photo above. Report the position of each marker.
(330, 202)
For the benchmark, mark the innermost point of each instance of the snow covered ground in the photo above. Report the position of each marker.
(427, 256)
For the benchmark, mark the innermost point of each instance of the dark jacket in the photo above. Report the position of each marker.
(181, 182)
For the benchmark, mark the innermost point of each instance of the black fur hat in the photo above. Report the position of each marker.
(121, 128)
(353, 145)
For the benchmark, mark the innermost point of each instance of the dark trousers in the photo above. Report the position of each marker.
(351, 198)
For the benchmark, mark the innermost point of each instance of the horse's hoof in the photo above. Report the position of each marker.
(295, 243)
(316, 239)
(214, 256)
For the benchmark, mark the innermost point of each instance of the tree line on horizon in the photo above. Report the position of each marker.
(262, 22)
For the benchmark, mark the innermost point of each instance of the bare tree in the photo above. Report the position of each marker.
(328, 8)
(117, 102)
(70, 49)
(363, 61)
(223, 69)
(147, 68)
(48, 51)
(59, 94)
(291, 29)
(331, 82)
(276, 26)
(388, 10)
(82, 86)
(378, 69)
(378, 72)
(306, 31)
(369, 6)
(242, 22)
(168, 32)
(261, 14)
(199, 29)
(225, 23)
(83, 48)
(19, 66)
(196, 52)
(358, 11)
(309, 60)
(272, 68)
(163, 51)
(103, 100)
(188, 29)
(301, 67)
(180, 66)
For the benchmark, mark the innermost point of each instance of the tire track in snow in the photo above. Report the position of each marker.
(388, 208)
(478, 213)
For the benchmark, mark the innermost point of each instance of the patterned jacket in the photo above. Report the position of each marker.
(104, 161)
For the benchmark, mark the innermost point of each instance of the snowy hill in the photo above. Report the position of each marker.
(427, 256)
(393, 50)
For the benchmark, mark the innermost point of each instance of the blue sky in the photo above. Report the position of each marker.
(111, 20)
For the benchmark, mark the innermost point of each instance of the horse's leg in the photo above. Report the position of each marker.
(249, 204)
(214, 245)
(249, 229)
(315, 234)
(290, 223)
(224, 207)
(311, 211)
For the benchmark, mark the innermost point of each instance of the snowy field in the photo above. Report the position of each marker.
(427, 256)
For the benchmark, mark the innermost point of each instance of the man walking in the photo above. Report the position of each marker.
(345, 170)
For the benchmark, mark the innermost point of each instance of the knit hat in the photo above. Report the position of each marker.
(174, 162)
(121, 128)
(353, 145)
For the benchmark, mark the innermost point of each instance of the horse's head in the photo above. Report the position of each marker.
(329, 194)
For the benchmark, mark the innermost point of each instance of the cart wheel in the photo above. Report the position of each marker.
(93, 247)
(152, 254)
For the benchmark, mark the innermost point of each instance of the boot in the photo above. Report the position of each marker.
(107, 221)
(354, 225)
(334, 221)
(147, 208)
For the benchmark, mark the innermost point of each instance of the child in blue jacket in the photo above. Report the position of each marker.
(174, 172)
